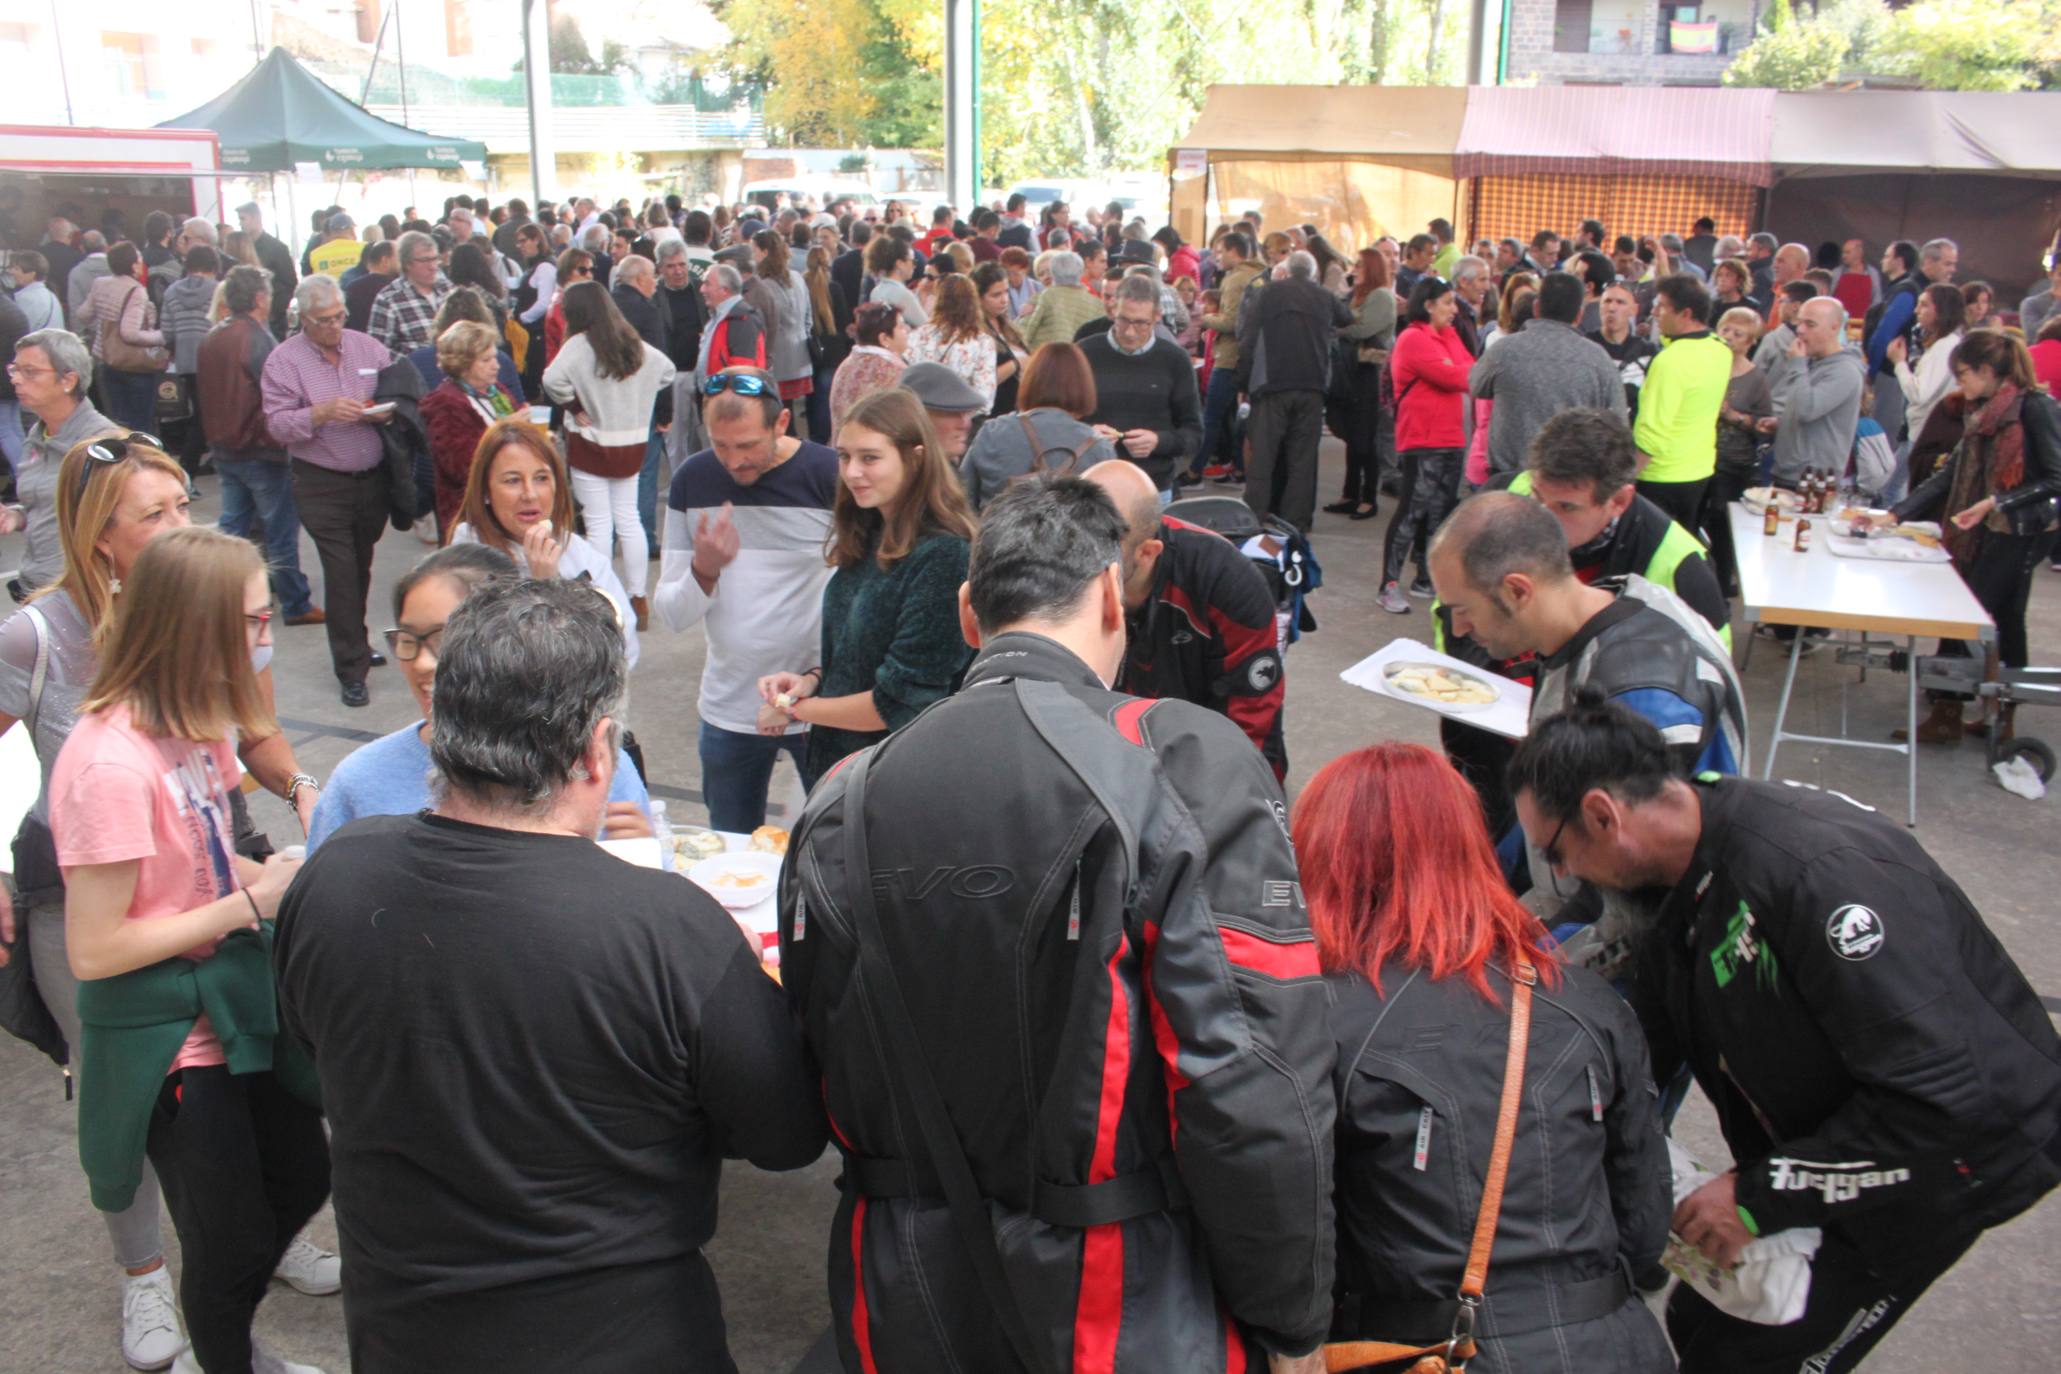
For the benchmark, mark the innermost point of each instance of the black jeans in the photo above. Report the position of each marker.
(1683, 501)
(1430, 489)
(1281, 474)
(344, 513)
(1852, 1306)
(243, 1164)
(1363, 447)
(2000, 577)
(1727, 485)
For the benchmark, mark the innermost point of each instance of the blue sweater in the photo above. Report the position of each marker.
(390, 777)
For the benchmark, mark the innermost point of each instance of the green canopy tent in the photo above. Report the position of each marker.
(281, 116)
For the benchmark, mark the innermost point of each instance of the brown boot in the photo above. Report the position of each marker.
(642, 608)
(1944, 724)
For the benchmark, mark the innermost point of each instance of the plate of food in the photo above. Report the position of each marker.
(1442, 685)
(692, 844)
(769, 839)
(1756, 500)
(738, 880)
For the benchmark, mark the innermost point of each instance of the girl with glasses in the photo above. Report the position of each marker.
(168, 930)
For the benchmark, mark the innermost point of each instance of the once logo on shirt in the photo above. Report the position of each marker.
(1854, 932)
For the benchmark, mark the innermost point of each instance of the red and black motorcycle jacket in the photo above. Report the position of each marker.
(1093, 912)
(1207, 634)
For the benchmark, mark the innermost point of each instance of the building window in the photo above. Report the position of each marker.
(1571, 26)
(132, 58)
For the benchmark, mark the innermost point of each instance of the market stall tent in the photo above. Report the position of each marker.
(1356, 161)
(281, 117)
(1981, 168)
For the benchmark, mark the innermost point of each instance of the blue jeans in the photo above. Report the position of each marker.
(737, 769)
(131, 398)
(253, 486)
(1219, 415)
(11, 435)
(647, 486)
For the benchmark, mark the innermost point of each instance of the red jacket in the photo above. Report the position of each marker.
(1184, 262)
(455, 426)
(1428, 373)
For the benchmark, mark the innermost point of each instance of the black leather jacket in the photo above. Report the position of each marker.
(2031, 506)
(1420, 1073)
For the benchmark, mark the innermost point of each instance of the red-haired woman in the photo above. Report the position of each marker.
(1418, 934)
(1372, 334)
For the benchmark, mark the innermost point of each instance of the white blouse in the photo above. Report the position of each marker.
(579, 557)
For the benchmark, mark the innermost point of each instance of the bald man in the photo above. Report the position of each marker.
(1200, 616)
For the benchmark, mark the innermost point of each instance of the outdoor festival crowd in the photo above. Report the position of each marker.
(1129, 1063)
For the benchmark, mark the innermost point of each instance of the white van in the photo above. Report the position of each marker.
(825, 189)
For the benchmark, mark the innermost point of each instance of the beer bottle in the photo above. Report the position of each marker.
(1803, 533)
(1771, 522)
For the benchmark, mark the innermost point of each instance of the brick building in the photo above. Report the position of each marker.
(1626, 42)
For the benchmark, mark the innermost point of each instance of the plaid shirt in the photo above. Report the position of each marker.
(403, 318)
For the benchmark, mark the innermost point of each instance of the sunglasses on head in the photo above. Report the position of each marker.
(738, 383)
(112, 451)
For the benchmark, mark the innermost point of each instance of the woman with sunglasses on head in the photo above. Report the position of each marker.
(1422, 943)
(51, 370)
(612, 384)
(116, 496)
(900, 537)
(390, 776)
(164, 928)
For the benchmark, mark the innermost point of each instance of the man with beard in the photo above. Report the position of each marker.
(1880, 1068)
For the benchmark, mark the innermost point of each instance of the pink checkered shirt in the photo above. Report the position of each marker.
(298, 378)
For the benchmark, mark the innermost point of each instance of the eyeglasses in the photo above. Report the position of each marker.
(111, 451)
(17, 370)
(408, 647)
(424, 257)
(737, 383)
(1551, 848)
(325, 320)
(257, 620)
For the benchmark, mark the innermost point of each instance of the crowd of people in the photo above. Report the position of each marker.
(1227, 1080)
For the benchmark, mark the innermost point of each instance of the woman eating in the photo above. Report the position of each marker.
(517, 501)
(900, 537)
(612, 384)
(390, 776)
(1422, 944)
(1996, 495)
(167, 930)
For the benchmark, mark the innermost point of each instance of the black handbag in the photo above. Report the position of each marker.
(23, 1013)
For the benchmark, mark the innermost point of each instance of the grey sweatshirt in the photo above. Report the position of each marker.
(1817, 406)
(1534, 375)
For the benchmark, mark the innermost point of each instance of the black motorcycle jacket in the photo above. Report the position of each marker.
(1092, 910)
(1877, 1061)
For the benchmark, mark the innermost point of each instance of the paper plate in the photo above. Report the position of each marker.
(738, 880)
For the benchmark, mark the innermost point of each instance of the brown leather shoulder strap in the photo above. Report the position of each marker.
(1476, 1276)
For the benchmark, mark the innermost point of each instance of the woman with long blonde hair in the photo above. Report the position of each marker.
(111, 505)
(900, 537)
(168, 930)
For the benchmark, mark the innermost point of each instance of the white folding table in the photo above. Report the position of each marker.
(1817, 589)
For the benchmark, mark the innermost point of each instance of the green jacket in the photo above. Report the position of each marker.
(132, 1026)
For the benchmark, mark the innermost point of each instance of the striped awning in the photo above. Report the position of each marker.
(1695, 131)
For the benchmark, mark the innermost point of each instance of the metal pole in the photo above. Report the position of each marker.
(63, 76)
(257, 41)
(401, 66)
(962, 175)
(365, 91)
(536, 80)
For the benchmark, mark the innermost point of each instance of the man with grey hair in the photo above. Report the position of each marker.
(1471, 285)
(1061, 308)
(498, 1200)
(317, 387)
(595, 240)
(404, 313)
(1760, 267)
(1147, 403)
(229, 396)
(1284, 366)
(52, 370)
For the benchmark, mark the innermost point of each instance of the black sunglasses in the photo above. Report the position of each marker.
(737, 383)
(112, 451)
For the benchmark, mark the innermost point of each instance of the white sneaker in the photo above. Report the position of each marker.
(263, 1361)
(310, 1268)
(151, 1336)
(187, 1363)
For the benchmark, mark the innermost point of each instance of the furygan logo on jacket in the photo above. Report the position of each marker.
(1837, 1182)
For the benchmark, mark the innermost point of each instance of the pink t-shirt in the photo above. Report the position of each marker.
(119, 795)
